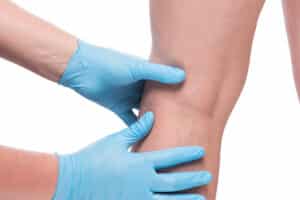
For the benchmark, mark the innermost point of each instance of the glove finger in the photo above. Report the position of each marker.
(139, 129)
(175, 182)
(157, 72)
(137, 106)
(128, 117)
(172, 157)
(178, 197)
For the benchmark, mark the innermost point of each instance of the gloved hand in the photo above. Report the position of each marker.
(114, 80)
(107, 170)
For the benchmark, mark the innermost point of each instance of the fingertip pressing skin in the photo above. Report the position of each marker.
(175, 156)
(93, 171)
(171, 182)
(89, 173)
(138, 130)
(215, 57)
(144, 124)
(114, 80)
(162, 73)
(129, 117)
(150, 117)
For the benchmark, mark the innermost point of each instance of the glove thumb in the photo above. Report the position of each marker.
(138, 130)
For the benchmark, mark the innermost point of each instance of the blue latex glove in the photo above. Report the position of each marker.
(107, 170)
(114, 80)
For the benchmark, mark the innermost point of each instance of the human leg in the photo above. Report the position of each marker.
(292, 15)
(211, 40)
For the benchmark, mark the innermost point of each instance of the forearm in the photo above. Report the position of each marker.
(33, 43)
(211, 40)
(27, 175)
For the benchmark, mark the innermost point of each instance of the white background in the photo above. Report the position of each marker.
(260, 156)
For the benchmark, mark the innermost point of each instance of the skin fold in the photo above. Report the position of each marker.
(212, 41)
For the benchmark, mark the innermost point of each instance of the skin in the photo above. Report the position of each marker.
(21, 174)
(292, 15)
(212, 41)
(45, 50)
(47, 58)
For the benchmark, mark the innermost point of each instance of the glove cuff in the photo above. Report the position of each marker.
(64, 180)
(74, 66)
